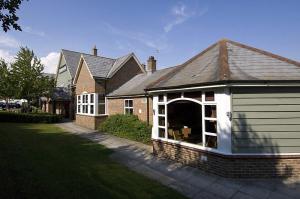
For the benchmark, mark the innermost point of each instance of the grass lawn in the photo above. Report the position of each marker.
(41, 161)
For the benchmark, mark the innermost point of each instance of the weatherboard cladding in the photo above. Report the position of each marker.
(266, 120)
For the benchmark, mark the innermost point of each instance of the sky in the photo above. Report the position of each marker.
(171, 31)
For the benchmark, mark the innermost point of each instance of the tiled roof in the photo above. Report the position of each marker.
(137, 85)
(99, 66)
(118, 62)
(230, 61)
(72, 59)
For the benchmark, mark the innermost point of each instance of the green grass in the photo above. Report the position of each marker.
(41, 161)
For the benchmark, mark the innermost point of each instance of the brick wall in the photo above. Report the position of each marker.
(230, 166)
(116, 106)
(85, 83)
(91, 122)
(127, 72)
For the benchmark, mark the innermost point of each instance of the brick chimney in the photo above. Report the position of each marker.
(151, 65)
(95, 51)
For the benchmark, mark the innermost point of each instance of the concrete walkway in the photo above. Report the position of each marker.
(189, 181)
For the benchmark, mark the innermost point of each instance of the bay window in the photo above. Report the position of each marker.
(91, 104)
(189, 116)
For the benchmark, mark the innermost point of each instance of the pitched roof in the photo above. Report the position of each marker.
(137, 85)
(98, 66)
(118, 63)
(72, 59)
(230, 61)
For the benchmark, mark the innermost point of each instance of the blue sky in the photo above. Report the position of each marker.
(172, 31)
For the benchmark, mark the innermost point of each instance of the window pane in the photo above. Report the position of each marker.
(171, 96)
(211, 126)
(126, 103)
(86, 109)
(101, 109)
(197, 95)
(160, 98)
(79, 99)
(92, 98)
(130, 103)
(161, 132)
(78, 109)
(101, 99)
(210, 96)
(92, 109)
(211, 111)
(161, 109)
(211, 141)
(161, 121)
(131, 111)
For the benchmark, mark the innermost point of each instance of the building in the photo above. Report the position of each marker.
(232, 110)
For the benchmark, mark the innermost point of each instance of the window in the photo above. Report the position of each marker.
(187, 120)
(62, 69)
(210, 96)
(101, 104)
(210, 120)
(86, 104)
(128, 106)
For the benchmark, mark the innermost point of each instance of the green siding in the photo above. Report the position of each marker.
(266, 120)
(64, 79)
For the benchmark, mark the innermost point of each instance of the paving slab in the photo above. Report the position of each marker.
(190, 181)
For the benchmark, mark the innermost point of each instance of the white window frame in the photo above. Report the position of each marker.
(223, 105)
(128, 107)
(85, 104)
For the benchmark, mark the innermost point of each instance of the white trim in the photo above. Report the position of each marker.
(190, 88)
(265, 85)
(79, 67)
(124, 62)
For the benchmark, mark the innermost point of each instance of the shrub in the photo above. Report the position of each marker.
(29, 117)
(127, 126)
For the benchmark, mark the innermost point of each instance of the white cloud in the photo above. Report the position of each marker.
(151, 41)
(8, 41)
(50, 62)
(6, 55)
(29, 30)
(180, 13)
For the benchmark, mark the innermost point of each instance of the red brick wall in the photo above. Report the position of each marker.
(230, 166)
(127, 72)
(116, 106)
(91, 122)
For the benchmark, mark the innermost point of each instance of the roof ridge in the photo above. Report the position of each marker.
(284, 59)
(224, 71)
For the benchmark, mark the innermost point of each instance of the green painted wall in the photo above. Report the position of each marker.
(64, 79)
(266, 120)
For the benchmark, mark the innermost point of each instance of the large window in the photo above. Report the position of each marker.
(128, 106)
(190, 117)
(91, 104)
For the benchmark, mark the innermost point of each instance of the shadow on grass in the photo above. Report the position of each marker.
(41, 161)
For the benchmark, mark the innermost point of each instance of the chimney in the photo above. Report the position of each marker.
(151, 65)
(95, 51)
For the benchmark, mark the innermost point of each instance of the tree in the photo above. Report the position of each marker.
(8, 15)
(27, 71)
(6, 82)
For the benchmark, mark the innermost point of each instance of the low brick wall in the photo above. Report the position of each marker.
(91, 122)
(229, 165)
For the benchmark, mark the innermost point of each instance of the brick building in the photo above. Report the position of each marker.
(233, 110)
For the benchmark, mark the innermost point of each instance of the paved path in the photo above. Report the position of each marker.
(191, 182)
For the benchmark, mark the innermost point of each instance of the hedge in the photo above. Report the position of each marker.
(29, 117)
(127, 126)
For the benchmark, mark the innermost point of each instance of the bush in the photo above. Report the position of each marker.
(127, 126)
(29, 117)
